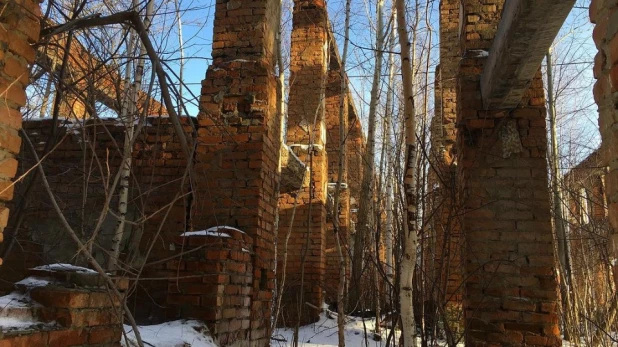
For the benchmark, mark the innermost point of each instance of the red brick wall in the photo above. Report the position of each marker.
(510, 284)
(77, 171)
(306, 124)
(214, 284)
(605, 14)
(443, 263)
(20, 23)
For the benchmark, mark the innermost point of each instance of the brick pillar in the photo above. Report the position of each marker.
(306, 100)
(511, 295)
(605, 14)
(215, 283)
(20, 28)
(333, 143)
(443, 261)
(238, 140)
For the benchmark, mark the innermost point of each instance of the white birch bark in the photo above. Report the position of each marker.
(408, 262)
(128, 113)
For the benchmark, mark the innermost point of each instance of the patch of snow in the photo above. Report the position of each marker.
(15, 299)
(34, 281)
(217, 228)
(16, 312)
(10, 323)
(287, 148)
(204, 233)
(304, 147)
(65, 267)
(171, 334)
(334, 186)
(324, 333)
(480, 53)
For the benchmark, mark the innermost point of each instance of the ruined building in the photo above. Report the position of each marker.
(206, 247)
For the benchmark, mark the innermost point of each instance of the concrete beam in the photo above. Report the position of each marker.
(526, 32)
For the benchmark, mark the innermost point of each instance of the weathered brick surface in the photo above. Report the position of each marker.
(443, 263)
(238, 141)
(307, 135)
(605, 15)
(214, 283)
(77, 171)
(333, 99)
(18, 18)
(510, 284)
(82, 315)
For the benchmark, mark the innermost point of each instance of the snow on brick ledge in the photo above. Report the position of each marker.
(216, 234)
(60, 305)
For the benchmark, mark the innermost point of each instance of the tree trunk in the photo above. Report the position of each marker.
(128, 117)
(408, 262)
(342, 152)
(365, 214)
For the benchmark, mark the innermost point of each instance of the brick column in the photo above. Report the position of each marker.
(215, 283)
(443, 263)
(238, 140)
(605, 14)
(20, 28)
(511, 292)
(333, 143)
(306, 127)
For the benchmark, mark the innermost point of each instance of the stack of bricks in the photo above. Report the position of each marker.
(69, 308)
(307, 136)
(238, 140)
(212, 282)
(20, 28)
(511, 292)
(604, 13)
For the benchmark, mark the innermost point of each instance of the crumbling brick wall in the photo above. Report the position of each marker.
(80, 171)
(213, 282)
(605, 15)
(443, 263)
(238, 141)
(20, 23)
(306, 135)
(510, 295)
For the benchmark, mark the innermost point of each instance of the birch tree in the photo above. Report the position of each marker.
(129, 109)
(343, 104)
(410, 241)
(365, 214)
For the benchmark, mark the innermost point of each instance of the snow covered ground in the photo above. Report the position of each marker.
(191, 333)
(180, 333)
(324, 333)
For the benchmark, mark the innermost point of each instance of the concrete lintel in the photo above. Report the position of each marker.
(525, 33)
